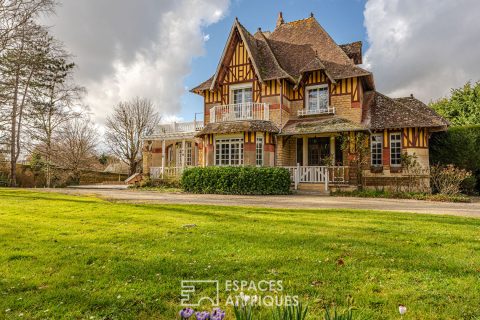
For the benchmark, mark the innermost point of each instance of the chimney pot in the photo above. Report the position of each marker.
(280, 20)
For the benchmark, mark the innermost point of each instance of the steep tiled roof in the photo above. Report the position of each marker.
(353, 51)
(239, 126)
(382, 112)
(296, 47)
(205, 85)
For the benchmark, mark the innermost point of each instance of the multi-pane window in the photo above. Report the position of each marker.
(229, 152)
(396, 149)
(259, 150)
(188, 155)
(376, 146)
(317, 99)
(242, 99)
(242, 95)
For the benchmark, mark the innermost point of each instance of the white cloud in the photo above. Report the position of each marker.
(140, 48)
(422, 47)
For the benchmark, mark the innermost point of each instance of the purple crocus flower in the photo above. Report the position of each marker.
(186, 313)
(217, 314)
(204, 315)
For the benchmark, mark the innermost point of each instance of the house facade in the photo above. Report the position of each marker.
(291, 98)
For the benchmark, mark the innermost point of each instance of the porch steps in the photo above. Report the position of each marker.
(312, 188)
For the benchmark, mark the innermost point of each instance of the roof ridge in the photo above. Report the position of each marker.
(294, 21)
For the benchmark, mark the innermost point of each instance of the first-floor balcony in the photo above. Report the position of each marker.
(240, 111)
(179, 127)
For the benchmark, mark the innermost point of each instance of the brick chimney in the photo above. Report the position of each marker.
(280, 20)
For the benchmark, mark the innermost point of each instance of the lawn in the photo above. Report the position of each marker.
(84, 258)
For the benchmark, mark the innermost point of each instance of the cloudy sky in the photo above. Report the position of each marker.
(159, 49)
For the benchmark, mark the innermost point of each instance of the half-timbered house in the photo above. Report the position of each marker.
(285, 98)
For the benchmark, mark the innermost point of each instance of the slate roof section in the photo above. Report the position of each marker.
(381, 112)
(353, 51)
(320, 125)
(239, 126)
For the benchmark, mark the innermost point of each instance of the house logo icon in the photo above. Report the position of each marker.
(196, 292)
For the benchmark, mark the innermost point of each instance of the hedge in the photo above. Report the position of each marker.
(236, 180)
(459, 146)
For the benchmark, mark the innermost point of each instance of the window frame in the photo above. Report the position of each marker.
(240, 86)
(380, 136)
(399, 134)
(259, 146)
(307, 97)
(219, 151)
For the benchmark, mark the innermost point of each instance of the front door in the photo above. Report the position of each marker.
(318, 151)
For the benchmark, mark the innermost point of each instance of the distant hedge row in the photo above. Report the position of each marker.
(459, 146)
(237, 180)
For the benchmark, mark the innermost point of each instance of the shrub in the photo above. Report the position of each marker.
(236, 180)
(447, 180)
(458, 146)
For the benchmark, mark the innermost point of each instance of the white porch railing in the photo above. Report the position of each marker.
(308, 112)
(318, 174)
(177, 127)
(165, 172)
(240, 111)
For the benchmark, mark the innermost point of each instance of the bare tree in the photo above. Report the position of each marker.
(53, 103)
(19, 67)
(16, 17)
(75, 147)
(125, 127)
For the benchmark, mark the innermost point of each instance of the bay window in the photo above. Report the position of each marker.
(259, 149)
(229, 152)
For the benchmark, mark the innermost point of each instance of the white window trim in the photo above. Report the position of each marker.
(318, 86)
(258, 138)
(241, 151)
(390, 143)
(381, 149)
(248, 85)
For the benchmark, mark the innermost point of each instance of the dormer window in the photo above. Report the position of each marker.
(317, 99)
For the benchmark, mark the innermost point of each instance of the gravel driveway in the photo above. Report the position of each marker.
(296, 201)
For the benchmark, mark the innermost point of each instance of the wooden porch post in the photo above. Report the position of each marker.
(163, 157)
(183, 153)
(332, 149)
(305, 151)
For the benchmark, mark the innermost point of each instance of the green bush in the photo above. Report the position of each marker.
(459, 146)
(237, 180)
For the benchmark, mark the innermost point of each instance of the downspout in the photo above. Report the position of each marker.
(281, 105)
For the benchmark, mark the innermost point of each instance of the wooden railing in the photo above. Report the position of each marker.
(165, 172)
(318, 174)
(240, 111)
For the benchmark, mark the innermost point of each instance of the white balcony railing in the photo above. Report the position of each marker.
(179, 127)
(308, 112)
(240, 111)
